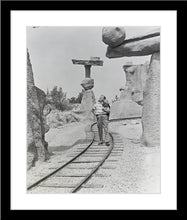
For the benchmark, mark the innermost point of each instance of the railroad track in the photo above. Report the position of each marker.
(71, 176)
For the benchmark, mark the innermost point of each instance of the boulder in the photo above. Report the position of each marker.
(58, 118)
(64, 137)
(113, 36)
(87, 83)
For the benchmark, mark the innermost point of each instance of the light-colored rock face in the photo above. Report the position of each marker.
(125, 107)
(122, 93)
(151, 104)
(66, 136)
(58, 118)
(36, 144)
(135, 79)
(125, 93)
(87, 83)
(113, 36)
(87, 103)
(30, 78)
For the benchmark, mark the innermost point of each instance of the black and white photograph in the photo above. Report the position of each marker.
(93, 109)
(93, 97)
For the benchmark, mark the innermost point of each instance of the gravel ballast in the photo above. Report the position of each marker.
(131, 168)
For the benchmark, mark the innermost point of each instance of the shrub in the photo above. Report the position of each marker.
(57, 98)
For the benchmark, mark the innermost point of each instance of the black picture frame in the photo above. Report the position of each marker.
(180, 7)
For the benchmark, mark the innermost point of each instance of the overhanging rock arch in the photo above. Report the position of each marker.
(147, 44)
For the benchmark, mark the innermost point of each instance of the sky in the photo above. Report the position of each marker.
(53, 48)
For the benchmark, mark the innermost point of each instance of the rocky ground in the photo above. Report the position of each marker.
(61, 140)
(136, 170)
(58, 118)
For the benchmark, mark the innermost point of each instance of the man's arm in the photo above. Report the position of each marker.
(106, 109)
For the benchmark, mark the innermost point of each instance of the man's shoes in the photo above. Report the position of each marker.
(107, 143)
(100, 143)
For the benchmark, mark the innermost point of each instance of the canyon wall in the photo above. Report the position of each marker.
(36, 127)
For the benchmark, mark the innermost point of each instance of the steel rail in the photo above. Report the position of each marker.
(79, 186)
(64, 165)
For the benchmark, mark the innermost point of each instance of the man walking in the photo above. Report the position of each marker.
(101, 110)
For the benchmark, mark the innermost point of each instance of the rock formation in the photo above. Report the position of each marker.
(138, 46)
(84, 111)
(148, 44)
(113, 36)
(125, 107)
(87, 83)
(135, 79)
(88, 99)
(58, 118)
(36, 129)
(151, 104)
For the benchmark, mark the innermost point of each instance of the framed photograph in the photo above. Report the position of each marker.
(92, 112)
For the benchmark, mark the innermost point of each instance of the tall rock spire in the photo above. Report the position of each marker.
(36, 144)
(30, 77)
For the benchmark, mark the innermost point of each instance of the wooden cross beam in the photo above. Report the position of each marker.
(88, 63)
